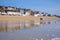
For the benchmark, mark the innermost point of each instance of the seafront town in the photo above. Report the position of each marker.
(13, 13)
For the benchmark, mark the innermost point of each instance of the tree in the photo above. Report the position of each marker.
(49, 15)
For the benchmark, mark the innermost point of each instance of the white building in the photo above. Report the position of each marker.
(13, 13)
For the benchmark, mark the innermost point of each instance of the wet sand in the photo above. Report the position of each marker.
(27, 18)
(30, 30)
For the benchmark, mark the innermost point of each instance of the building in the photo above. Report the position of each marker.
(25, 12)
(36, 13)
(9, 10)
(13, 11)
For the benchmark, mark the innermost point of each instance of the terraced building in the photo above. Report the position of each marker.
(13, 11)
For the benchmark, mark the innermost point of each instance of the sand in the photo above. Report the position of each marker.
(27, 18)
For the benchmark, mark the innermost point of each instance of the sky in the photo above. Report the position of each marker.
(49, 6)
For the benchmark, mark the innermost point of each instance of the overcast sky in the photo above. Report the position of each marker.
(50, 6)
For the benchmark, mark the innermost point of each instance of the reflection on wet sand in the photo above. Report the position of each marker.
(17, 25)
(9, 25)
(30, 30)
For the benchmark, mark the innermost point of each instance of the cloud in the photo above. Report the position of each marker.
(51, 10)
(54, 10)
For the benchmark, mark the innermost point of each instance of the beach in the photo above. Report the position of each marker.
(28, 18)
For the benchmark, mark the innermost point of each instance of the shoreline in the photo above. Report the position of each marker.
(28, 18)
